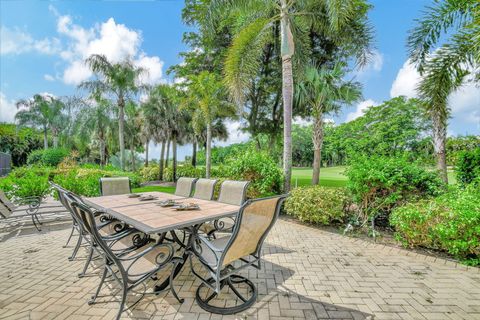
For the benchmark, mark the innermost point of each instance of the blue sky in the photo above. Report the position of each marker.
(43, 43)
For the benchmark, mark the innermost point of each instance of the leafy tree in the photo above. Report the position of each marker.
(207, 99)
(319, 92)
(446, 68)
(120, 80)
(266, 22)
(19, 142)
(96, 120)
(45, 112)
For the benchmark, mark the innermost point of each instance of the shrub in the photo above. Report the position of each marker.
(48, 157)
(85, 181)
(183, 171)
(258, 168)
(26, 181)
(149, 173)
(468, 166)
(450, 223)
(379, 184)
(317, 204)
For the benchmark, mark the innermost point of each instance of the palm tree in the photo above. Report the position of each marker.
(42, 111)
(207, 99)
(323, 91)
(119, 80)
(447, 67)
(259, 24)
(96, 119)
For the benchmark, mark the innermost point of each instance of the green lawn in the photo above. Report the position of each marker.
(154, 188)
(329, 177)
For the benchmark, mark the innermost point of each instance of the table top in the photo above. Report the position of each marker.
(149, 217)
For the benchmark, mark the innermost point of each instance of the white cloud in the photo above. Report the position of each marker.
(375, 64)
(464, 103)
(116, 41)
(153, 66)
(15, 41)
(405, 84)
(7, 109)
(49, 77)
(235, 135)
(360, 110)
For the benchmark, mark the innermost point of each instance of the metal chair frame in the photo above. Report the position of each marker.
(228, 274)
(113, 262)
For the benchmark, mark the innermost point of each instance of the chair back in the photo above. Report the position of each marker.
(5, 212)
(60, 193)
(114, 186)
(233, 192)
(6, 202)
(204, 189)
(184, 187)
(254, 221)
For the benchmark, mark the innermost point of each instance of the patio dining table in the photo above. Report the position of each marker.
(151, 218)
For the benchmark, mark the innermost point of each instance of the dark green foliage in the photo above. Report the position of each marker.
(468, 166)
(450, 223)
(379, 184)
(317, 204)
(50, 157)
(257, 167)
(19, 142)
(26, 182)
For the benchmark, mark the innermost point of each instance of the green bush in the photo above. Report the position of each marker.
(317, 204)
(450, 222)
(149, 173)
(19, 141)
(48, 157)
(85, 182)
(379, 184)
(26, 181)
(468, 166)
(184, 171)
(264, 175)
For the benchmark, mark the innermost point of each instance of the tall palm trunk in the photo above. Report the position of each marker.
(45, 138)
(174, 161)
(439, 136)
(121, 129)
(146, 152)
(317, 147)
(194, 152)
(287, 52)
(168, 153)
(55, 140)
(101, 139)
(132, 153)
(208, 153)
(160, 165)
(287, 79)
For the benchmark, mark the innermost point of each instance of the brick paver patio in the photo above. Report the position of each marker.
(308, 274)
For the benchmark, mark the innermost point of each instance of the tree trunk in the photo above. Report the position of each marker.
(168, 153)
(287, 51)
(439, 136)
(174, 161)
(45, 138)
(208, 153)
(102, 152)
(132, 153)
(121, 129)
(317, 147)
(55, 141)
(146, 152)
(160, 163)
(194, 152)
(287, 79)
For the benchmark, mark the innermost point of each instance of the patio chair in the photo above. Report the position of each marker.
(184, 187)
(242, 247)
(231, 192)
(204, 189)
(28, 206)
(128, 270)
(114, 186)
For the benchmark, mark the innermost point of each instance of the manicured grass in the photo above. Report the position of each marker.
(154, 188)
(329, 177)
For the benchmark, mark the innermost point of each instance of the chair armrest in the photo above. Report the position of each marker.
(209, 244)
